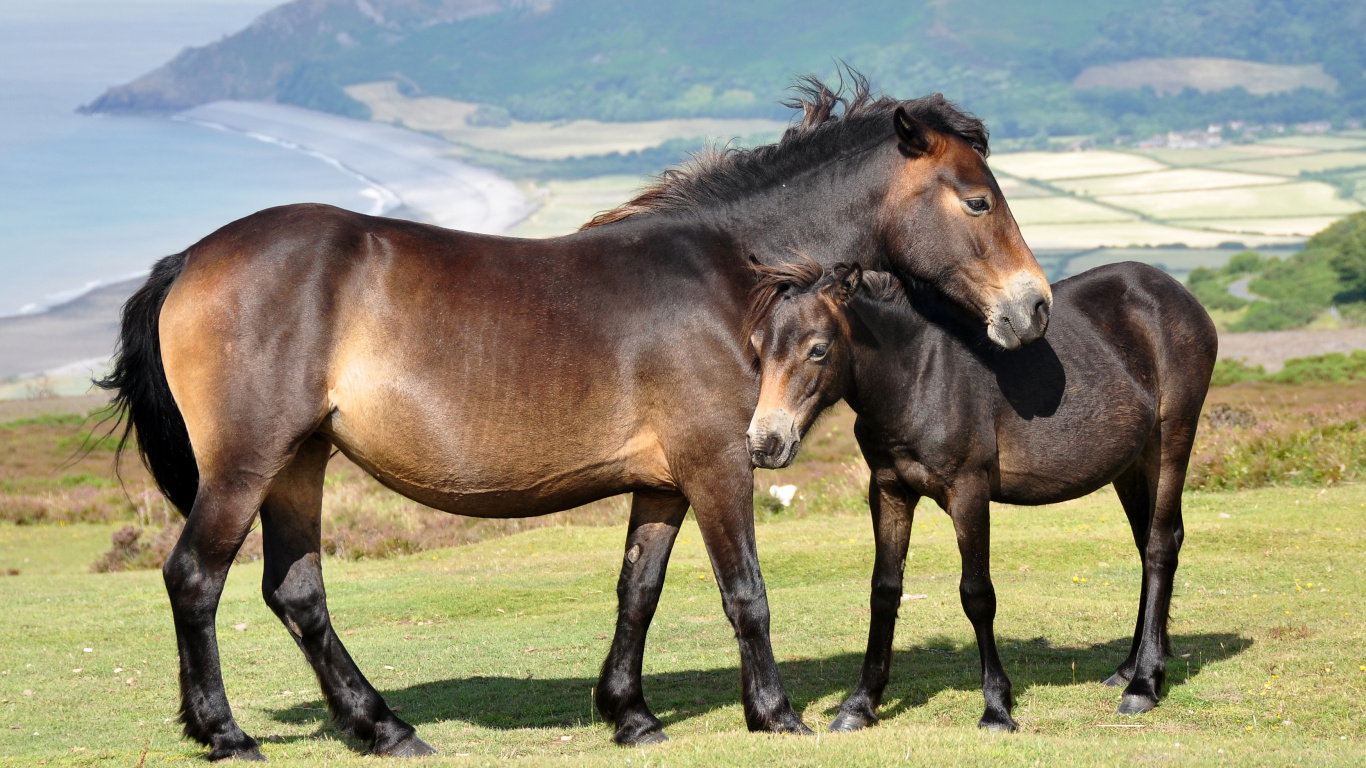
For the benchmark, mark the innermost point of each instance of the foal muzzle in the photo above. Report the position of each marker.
(773, 440)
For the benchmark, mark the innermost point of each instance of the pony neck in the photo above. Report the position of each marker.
(827, 213)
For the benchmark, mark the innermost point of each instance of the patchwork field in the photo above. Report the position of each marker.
(456, 121)
(1260, 195)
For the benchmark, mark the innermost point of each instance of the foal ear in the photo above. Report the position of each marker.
(912, 135)
(848, 284)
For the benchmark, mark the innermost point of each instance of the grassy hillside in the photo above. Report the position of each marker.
(622, 60)
(1328, 276)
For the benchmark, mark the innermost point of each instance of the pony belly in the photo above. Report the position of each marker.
(474, 463)
(1071, 466)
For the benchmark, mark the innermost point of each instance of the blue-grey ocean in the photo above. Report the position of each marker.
(85, 200)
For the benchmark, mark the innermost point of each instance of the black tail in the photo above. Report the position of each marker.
(142, 397)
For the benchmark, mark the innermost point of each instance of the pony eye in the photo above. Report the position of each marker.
(819, 351)
(977, 205)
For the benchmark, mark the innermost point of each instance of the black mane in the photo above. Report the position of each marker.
(834, 122)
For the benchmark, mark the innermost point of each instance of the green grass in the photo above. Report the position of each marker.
(492, 649)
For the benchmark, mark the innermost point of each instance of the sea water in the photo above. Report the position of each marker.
(86, 199)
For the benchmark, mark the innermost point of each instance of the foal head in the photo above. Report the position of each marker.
(799, 329)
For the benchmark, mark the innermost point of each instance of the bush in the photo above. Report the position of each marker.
(1233, 370)
(1309, 448)
(1276, 316)
(1332, 367)
(1212, 292)
(1245, 263)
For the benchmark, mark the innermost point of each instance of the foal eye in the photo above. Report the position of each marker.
(819, 351)
(977, 205)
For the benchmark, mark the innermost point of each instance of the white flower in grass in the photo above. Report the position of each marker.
(783, 493)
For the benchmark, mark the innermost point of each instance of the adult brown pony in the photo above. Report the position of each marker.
(498, 377)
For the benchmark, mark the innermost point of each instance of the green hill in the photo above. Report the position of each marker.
(1014, 63)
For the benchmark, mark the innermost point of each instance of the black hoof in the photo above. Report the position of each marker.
(848, 722)
(643, 732)
(1136, 704)
(1117, 680)
(652, 737)
(409, 747)
(782, 722)
(252, 754)
(997, 723)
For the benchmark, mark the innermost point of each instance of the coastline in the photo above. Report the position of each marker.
(407, 174)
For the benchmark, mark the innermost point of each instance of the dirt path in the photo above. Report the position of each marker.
(1272, 348)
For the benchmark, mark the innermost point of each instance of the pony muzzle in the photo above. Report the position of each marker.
(773, 439)
(1021, 314)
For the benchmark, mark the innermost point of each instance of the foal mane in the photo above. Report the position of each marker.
(805, 275)
(777, 281)
(834, 121)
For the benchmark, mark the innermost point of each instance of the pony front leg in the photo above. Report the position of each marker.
(970, 508)
(893, 511)
(655, 519)
(194, 573)
(725, 514)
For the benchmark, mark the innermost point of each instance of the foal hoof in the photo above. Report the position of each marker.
(848, 722)
(997, 724)
(784, 722)
(793, 726)
(1116, 680)
(652, 737)
(1134, 704)
(251, 754)
(409, 747)
(643, 734)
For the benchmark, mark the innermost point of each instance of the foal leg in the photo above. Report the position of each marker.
(291, 525)
(724, 505)
(1159, 573)
(224, 508)
(655, 519)
(893, 509)
(970, 508)
(1135, 494)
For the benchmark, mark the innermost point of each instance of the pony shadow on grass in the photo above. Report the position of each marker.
(919, 673)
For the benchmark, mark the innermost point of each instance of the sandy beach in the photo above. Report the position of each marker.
(410, 175)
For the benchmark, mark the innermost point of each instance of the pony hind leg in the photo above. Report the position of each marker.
(1135, 491)
(291, 527)
(1165, 535)
(195, 571)
(655, 519)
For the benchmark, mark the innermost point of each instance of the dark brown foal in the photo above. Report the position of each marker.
(1111, 395)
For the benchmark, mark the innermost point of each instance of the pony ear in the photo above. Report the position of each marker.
(848, 284)
(912, 135)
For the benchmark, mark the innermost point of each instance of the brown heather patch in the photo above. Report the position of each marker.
(1256, 435)
(1290, 632)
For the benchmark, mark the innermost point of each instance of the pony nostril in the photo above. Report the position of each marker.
(772, 445)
